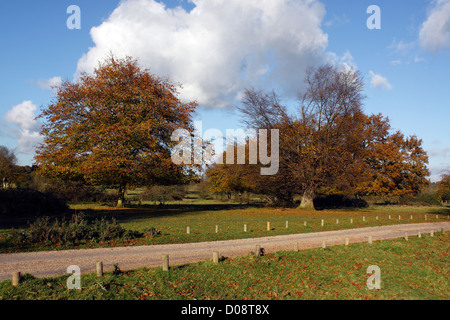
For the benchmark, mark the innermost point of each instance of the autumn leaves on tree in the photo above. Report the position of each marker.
(114, 128)
(329, 145)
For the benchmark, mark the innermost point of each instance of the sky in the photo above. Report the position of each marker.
(217, 48)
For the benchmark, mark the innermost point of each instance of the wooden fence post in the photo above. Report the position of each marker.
(16, 277)
(268, 225)
(165, 262)
(216, 257)
(99, 268)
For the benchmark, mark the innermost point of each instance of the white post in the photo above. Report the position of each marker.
(217, 228)
(245, 228)
(287, 224)
(347, 241)
(322, 222)
(188, 230)
(370, 239)
(324, 244)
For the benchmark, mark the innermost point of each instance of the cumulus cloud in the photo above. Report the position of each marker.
(378, 81)
(23, 116)
(435, 31)
(217, 48)
(49, 84)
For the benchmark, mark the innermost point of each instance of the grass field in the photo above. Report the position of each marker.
(202, 218)
(413, 269)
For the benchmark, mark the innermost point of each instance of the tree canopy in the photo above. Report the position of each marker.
(329, 144)
(113, 127)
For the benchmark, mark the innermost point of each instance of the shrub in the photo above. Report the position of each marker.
(77, 229)
(29, 203)
(163, 194)
(334, 201)
(422, 199)
(73, 191)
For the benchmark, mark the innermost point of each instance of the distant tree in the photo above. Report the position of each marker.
(443, 190)
(8, 162)
(114, 128)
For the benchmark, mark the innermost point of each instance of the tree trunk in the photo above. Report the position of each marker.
(121, 200)
(307, 199)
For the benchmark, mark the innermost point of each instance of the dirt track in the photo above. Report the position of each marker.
(52, 263)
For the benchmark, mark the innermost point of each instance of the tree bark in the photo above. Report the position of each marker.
(121, 200)
(307, 199)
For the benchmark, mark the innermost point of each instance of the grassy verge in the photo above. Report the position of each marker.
(172, 221)
(414, 269)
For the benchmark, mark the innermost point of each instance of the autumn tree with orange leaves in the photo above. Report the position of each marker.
(331, 144)
(113, 127)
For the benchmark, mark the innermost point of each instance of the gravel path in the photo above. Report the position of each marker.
(52, 263)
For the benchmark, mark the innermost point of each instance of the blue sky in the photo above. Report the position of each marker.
(217, 48)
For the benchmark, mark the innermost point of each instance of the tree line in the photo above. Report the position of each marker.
(113, 127)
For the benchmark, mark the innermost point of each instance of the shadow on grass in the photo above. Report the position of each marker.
(130, 212)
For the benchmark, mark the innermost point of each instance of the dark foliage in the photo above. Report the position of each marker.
(335, 201)
(29, 203)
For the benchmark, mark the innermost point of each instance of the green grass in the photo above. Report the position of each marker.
(172, 221)
(414, 269)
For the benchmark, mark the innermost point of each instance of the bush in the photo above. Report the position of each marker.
(29, 203)
(163, 194)
(422, 199)
(335, 201)
(72, 191)
(77, 229)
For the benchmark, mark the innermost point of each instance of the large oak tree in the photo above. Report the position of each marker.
(330, 142)
(113, 127)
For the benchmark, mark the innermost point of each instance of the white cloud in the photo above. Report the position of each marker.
(378, 81)
(402, 48)
(49, 84)
(24, 117)
(435, 31)
(219, 47)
